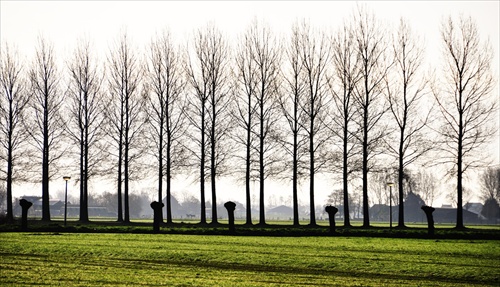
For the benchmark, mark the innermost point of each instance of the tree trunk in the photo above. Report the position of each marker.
(213, 171)
(169, 175)
(10, 213)
(203, 218)
(345, 173)
(248, 168)
(45, 164)
(401, 211)
(366, 207)
(311, 173)
(262, 214)
(296, 220)
(82, 185)
(126, 205)
(460, 217)
(160, 169)
(119, 181)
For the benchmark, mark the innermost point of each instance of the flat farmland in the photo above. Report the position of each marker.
(116, 259)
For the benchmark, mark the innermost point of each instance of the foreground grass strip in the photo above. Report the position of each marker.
(75, 259)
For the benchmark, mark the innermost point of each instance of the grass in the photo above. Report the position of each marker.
(118, 259)
(272, 228)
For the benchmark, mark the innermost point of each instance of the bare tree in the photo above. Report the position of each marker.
(425, 185)
(265, 53)
(125, 115)
(208, 73)
(167, 122)
(406, 91)
(315, 50)
(46, 126)
(244, 115)
(345, 78)
(290, 100)
(490, 183)
(86, 117)
(13, 136)
(371, 46)
(465, 101)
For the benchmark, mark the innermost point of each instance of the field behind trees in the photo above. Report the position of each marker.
(74, 259)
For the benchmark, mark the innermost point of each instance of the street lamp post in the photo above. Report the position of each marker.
(390, 184)
(66, 178)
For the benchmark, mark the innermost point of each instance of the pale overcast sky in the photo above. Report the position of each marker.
(63, 22)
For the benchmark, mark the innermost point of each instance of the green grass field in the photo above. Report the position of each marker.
(117, 259)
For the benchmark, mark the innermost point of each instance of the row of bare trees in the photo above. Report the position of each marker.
(349, 103)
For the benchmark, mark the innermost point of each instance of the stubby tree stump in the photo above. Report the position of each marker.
(430, 218)
(230, 206)
(331, 210)
(25, 205)
(156, 206)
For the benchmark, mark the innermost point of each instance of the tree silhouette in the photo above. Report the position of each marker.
(489, 181)
(208, 73)
(263, 56)
(315, 51)
(124, 113)
(346, 71)
(371, 45)
(406, 90)
(245, 113)
(464, 100)
(290, 101)
(13, 136)
(167, 122)
(46, 126)
(86, 117)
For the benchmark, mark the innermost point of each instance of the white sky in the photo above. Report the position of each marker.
(64, 22)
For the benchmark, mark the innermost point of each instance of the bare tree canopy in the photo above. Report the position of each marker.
(46, 126)
(291, 97)
(125, 115)
(346, 75)
(371, 46)
(465, 100)
(85, 105)
(166, 105)
(490, 184)
(315, 53)
(208, 108)
(13, 101)
(406, 90)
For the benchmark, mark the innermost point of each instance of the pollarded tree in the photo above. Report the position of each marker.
(465, 100)
(86, 117)
(208, 111)
(13, 136)
(371, 45)
(46, 126)
(406, 91)
(125, 116)
(167, 122)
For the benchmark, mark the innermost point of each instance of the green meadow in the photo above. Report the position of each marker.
(125, 259)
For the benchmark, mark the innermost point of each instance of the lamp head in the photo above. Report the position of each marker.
(390, 183)
(66, 178)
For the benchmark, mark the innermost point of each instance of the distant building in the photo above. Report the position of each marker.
(280, 213)
(56, 207)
